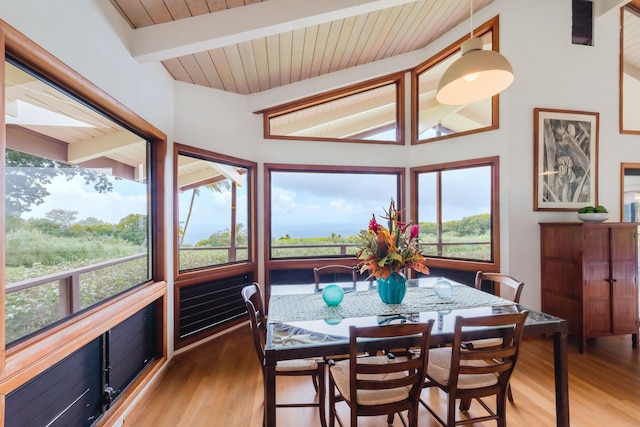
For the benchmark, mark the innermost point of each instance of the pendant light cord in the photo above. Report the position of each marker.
(471, 16)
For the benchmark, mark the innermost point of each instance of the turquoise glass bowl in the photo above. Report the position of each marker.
(332, 295)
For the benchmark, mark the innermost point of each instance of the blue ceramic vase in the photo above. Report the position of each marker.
(392, 289)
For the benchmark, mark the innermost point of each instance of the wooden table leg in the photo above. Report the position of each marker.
(561, 367)
(269, 396)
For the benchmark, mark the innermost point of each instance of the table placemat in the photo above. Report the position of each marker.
(301, 307)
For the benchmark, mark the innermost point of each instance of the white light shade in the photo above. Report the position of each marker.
(487, 73)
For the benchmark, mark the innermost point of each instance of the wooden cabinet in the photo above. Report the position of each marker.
(590, 277)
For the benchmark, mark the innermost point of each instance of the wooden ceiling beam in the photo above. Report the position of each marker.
(232, 26)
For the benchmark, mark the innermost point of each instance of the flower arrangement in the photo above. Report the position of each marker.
(390, 249)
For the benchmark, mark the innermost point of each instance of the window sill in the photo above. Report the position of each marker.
(29, 359)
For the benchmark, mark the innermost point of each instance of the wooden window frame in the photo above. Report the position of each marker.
(35, 355)
(309, 263)
(493, 26)
(398, 79)
(456, 264)
(238, 267)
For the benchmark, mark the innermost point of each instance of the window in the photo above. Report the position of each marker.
(314, 212)
(77, 197)
(457, 209)
(367, 112)
(630, 69)
(433, 121)
(214, 199)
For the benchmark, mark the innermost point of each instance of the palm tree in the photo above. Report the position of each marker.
(215, 186)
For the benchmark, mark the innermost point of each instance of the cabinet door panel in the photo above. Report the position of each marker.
(599, 318)
(597, 297)
(624, 271)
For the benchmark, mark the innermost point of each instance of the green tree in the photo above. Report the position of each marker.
(223, 237)
(216, 186)
(132, 228)
(62, 217)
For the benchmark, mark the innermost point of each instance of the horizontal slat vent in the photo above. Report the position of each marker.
(207, 305)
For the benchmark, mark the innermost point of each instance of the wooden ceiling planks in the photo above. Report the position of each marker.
(301, 53)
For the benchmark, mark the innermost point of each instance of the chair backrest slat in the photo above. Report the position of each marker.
(402, 371)
(499, 360)
(515, 286)
(326, 270)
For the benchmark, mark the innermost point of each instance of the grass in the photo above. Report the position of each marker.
(32, 254)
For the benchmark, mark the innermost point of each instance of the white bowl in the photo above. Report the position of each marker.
(593, 217)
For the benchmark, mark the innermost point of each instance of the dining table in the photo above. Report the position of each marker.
(301, 325)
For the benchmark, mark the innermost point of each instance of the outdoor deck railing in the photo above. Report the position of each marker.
(69, 280)
(68, 283)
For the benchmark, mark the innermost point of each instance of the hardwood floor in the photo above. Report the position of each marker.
(220, 384)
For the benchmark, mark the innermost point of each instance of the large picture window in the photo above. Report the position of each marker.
(77, 197)
(315, 212)
(214, 200)
(456, 205)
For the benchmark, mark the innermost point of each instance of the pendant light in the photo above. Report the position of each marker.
(478, 74)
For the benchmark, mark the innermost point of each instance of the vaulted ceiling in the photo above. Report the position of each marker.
(248, 46)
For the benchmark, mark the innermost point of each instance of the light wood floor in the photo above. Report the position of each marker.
(220, 384)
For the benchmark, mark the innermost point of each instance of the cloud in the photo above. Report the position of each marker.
(128, 197)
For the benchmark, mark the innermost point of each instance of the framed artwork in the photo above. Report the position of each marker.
(565, 159)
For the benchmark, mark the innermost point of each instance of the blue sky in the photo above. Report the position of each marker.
(303, 205)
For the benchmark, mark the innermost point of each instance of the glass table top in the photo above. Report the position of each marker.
(298, 317)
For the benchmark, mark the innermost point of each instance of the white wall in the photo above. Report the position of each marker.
(550, 72)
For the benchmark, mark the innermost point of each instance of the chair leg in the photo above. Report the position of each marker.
(322, 407)
(501, 407)
(332, 402)
(509, 394)
(451, 411)
(390, 419)
(465, 404)
(314, 378)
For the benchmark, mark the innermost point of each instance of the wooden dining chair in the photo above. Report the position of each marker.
(505, 287)
(380, 385)
(315, 367)
(334, 274)
(467, 373)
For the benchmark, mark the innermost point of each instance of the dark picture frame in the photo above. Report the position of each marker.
(565, 159)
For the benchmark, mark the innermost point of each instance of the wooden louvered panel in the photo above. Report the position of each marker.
(204, 306)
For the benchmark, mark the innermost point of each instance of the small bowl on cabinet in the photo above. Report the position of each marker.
(593, 216)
